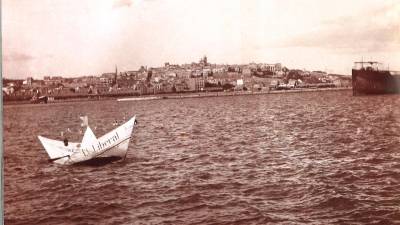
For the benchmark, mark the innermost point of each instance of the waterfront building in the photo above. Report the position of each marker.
(9, 90)
(183, 74)
(180, 87)
(233, 74)
(239, 82)
(271, 67)
(28, 81)
(246, 72)
(292, 83)
(196, 84)
(158, 87)
(218, 70)
(172, 74)
(275, 83)
(107, 75)
(206, 73)
(196, 73)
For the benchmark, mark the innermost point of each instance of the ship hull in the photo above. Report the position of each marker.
(372, 82)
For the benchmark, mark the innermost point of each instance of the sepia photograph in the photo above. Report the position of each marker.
(200, 112)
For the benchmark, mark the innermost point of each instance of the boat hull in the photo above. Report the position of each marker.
(372, 82)
(114, 144)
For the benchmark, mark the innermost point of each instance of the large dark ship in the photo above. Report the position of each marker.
(368, 78)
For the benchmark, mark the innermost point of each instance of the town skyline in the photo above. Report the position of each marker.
(165, 66)
(52, 38)
(201, 76)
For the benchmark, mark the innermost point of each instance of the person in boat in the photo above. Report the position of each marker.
(65, 138)
(66, 141)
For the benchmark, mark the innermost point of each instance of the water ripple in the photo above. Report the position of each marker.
(305, 158)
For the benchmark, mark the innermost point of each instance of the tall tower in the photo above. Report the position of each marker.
(115, 75)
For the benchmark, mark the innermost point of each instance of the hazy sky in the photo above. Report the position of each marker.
(89, 37)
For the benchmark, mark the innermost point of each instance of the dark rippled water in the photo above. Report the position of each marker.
(312, 158)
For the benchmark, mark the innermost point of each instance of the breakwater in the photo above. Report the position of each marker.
(127, 97)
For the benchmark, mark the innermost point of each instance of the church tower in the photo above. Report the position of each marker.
(115, 75)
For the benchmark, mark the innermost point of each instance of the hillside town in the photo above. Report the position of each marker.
(199, 76)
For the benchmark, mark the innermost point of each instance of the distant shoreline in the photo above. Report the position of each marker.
(179, 95)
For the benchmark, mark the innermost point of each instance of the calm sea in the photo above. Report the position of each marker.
(299, 158)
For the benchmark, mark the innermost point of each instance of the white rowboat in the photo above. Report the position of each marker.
(113, 144)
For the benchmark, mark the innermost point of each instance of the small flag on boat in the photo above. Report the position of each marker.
(84, 121)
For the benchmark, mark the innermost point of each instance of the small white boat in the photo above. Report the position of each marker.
(113, 144)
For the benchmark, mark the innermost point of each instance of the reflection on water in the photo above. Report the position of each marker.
(318, 158)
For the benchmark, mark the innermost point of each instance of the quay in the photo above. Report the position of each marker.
(178, 95)
(241, 93)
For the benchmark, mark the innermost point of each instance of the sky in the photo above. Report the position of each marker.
(89, 37)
